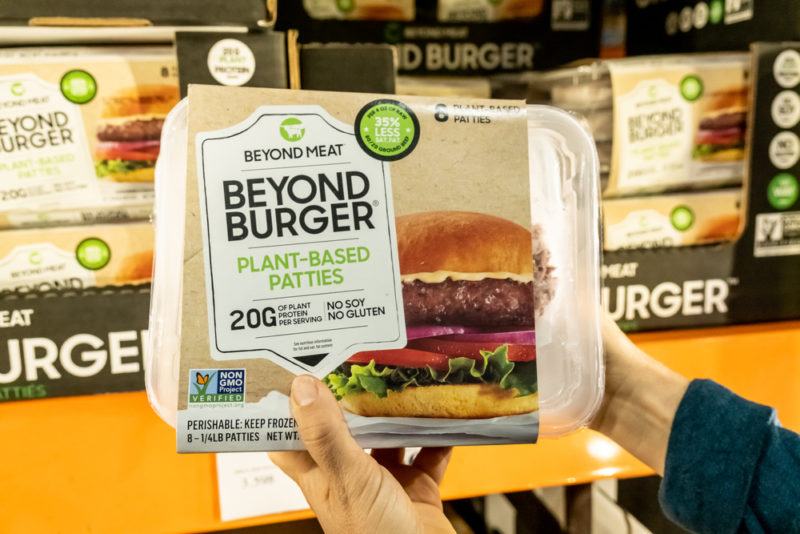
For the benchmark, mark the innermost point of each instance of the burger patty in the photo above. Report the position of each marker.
(725, 120)
(135, 130)
(487, 302)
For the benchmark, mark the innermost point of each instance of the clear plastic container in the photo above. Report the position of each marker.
(565, 204)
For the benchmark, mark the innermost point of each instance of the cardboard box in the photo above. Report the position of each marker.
(258, 59)
(754, 278)
(250, 13)
(82, 125)
(674, 26)
(558, 31)
(675, 220)
(348, 68)
(75, 258)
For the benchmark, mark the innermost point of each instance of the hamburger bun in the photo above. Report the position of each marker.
(143, 175)
(520, 9)
(722, 228)
(141, 100)
(381, 12)
(467, 401)
(727, 155)
(731, 99)
(465, 242)
(135, 268)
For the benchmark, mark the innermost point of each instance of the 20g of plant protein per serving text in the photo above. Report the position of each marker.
(300, 313)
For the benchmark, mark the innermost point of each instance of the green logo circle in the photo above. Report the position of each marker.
(78, 86)
(292, 129)
(17, 89)
(393, 33)
(782, 191)
(93, 253)
(691, 87)
(682, 218)
(716, 11)
(387, 129)
(345, 6)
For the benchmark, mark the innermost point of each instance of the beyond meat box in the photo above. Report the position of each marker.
(81, 126)
(674, 220)
(75, 258)
(386, 246)
(455, 37)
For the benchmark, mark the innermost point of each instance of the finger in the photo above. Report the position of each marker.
(294, 463)
(433, 461)
(322, 426)
(388, 457)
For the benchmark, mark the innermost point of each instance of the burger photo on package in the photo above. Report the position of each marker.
(473, 285)
(723, 126)
(129, 132)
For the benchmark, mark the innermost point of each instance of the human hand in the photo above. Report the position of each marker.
(351, 491)
(641, 398)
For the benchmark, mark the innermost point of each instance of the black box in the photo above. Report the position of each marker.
(256, 59)
(756, 278)
(564, 31)
(673, 26)
(248, 13)
(84, 342)
(348, 68)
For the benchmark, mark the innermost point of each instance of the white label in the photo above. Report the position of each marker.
(231, 62)
(738, 11)
(784, 150)
(642, 229)
(42, 267)
(777, 234)
(300, 246)
(251, 485)
(786, 109)
(787, 69)
(655, 135)
(44, 156)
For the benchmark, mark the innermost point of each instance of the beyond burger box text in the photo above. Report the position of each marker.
(81, 126)
(386, 246)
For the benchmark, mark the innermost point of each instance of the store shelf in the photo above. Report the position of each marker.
(107, 463)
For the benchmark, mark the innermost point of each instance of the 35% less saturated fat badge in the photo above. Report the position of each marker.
(387, 129)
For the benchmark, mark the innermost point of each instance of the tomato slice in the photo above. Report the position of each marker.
(435, 353)
(133, 151)
(402, 358)
(472, 349)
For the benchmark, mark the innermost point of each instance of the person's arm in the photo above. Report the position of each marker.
(727, 464)
(641, 399)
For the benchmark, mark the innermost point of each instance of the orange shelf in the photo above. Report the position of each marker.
(107, 463)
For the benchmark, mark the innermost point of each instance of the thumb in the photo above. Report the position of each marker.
(322, 426)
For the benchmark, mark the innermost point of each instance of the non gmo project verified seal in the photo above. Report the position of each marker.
(216, 387)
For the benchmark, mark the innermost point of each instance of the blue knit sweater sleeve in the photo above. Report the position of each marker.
(730, 466)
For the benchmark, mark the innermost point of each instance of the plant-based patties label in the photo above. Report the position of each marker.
(299, 232)
(679, 122)
(45, 158)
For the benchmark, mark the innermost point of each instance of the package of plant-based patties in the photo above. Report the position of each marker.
(433, 262)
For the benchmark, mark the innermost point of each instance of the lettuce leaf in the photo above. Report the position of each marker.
(493, 368)
(108, 167)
